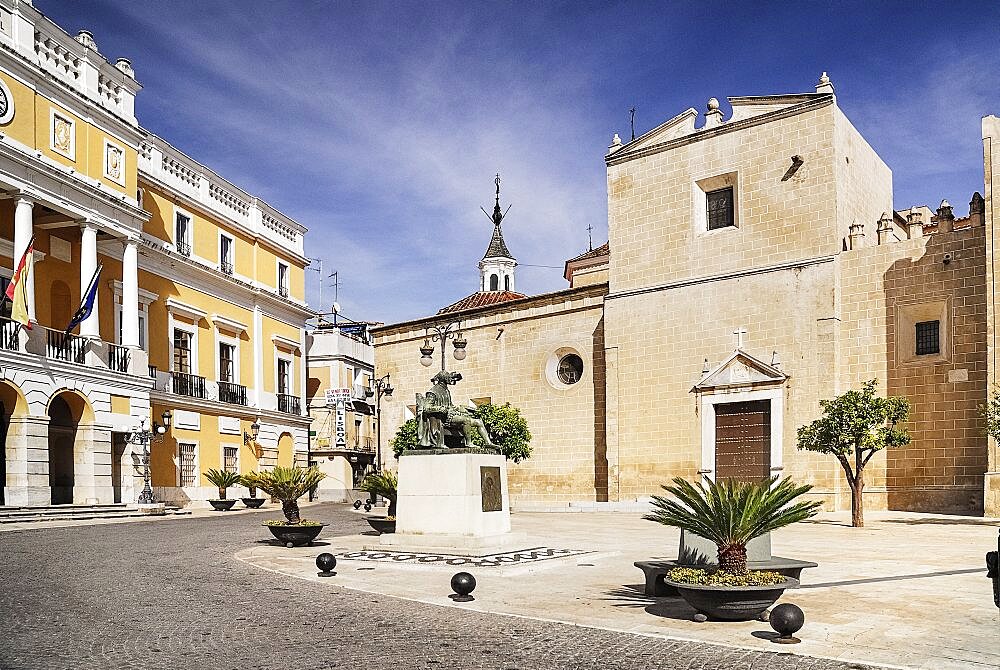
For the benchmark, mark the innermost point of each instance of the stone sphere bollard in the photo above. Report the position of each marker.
(787, 619)
(326, 562)
(463, 584)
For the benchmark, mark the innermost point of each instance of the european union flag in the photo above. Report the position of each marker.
(87, 304)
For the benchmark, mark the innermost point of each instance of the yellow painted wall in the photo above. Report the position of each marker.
(22, 126)
(285, 450)
(271, 327)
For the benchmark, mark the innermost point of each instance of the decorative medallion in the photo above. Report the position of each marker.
(62, 135)
(114, 162)
(6, 104)
(490, 486)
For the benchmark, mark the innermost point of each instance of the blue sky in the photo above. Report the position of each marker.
(380, 126)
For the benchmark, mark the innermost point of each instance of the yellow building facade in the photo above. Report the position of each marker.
(200, 304)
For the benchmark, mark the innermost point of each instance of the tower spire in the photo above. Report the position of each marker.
(497, 266)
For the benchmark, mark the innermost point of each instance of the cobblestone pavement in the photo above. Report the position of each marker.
(168, 594)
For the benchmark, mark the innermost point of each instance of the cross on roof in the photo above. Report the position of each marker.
(739, 333)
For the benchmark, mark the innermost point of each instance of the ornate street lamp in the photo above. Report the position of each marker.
(442, 333)
(144, 438)
(380, 388)
(251, 437)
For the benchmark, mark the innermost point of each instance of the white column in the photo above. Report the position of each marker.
(88, 264)
(22, 235)
(130, 294)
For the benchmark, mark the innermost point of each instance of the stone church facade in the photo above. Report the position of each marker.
(755, 266)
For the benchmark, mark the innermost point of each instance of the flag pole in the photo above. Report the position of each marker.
(83, 299)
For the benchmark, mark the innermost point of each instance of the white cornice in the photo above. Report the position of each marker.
(7, 249)
(286, 342)
(145, 297)
(225, 323)
(175, 306)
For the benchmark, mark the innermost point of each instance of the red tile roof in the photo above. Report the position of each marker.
(481, 299)
(602, 250)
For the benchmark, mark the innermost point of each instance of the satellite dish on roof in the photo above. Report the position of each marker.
(336, 308)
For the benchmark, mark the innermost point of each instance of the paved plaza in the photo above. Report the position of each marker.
(169, 593)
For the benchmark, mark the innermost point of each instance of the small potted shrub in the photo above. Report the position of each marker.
(730, 514)
(287, 485)
(249, 480)
(222, 479)
(383, 484)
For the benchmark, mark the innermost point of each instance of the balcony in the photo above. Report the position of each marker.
(289, 404)
(190, 385)
(226, 267)
(283, 291)
(65, 347)
(234, 394)
(118, 358)
(184, 248)
(10, 335)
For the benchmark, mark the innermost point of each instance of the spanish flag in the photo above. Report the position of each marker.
(17, 291)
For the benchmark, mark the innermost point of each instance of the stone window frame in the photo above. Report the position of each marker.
(700, 188)
(551, 367)
(908, 315)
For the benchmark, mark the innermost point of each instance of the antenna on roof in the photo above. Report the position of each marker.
(632, 121)
(590, 237)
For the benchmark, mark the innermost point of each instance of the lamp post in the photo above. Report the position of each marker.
(145, 438)
(251, 437)
(380, 388)
(442, 333)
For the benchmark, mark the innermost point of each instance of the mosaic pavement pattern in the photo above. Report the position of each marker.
(508, 558)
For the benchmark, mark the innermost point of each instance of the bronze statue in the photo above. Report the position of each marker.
(437, 416)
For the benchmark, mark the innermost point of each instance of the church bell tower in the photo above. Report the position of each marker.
(496, 270)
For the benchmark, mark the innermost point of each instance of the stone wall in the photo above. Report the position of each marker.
(511, 353)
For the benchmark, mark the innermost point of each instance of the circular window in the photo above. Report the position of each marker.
(570, 369)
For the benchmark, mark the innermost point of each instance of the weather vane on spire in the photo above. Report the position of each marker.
(498, 216)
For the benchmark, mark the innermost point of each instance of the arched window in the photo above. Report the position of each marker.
(506, 283)
(494, 282)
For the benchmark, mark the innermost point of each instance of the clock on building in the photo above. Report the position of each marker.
(6, 104)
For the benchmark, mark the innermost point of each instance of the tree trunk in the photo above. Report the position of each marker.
(857, 501)
(733, 560)
(290, 508)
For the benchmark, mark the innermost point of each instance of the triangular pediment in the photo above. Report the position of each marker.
(679, 126)
(741, 369)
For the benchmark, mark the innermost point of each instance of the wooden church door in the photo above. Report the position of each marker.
(743, 440)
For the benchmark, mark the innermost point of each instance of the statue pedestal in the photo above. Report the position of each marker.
(452, 499)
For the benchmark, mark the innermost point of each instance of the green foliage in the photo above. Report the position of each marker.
(508, 429)
(222, 479)
(857, 421)
(504, 423)
(304, 522)
(857, 425)
(251, 480)
(719, 578)
(991, 413)
(731, 513)
(406, 437)
(288, 485)
(383, 484)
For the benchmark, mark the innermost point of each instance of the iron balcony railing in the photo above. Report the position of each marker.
(234, 394)
(283, 291)
(184, 248)
(152, 371)
(118, 357)
(288, 404)
(65, 347)
(226, 267)
(183, 383)
(10, 334)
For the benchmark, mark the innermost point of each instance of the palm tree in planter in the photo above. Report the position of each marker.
(251, 481)
(288, 485)
(730, 514)
(223, 479)
(383, 484)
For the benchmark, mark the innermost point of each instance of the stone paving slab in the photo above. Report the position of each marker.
(909, 590)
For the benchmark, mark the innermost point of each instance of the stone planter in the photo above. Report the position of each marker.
(382, 524)
(731, 603)
(253, 503)
(295, 536)
(222, 505)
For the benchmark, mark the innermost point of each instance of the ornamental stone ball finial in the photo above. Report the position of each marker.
(713, 104)
(125, 65)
